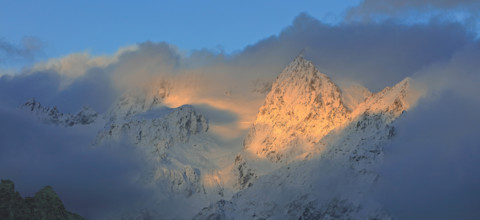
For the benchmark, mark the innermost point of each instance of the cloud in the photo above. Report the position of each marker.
(75, 65)
(430, 169)
(93, 182)
(93, 89)
(15, 90)
(25, 52)
(414, 11)
(375, 55)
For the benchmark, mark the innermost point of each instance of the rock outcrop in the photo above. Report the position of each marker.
(53, 116)
(44, 205)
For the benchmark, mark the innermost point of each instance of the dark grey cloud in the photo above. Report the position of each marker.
(431, 167)
(95, 183)
(376, 55)
(93, 89)
(15, 90)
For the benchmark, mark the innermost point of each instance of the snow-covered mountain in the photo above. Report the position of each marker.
(305, 105)
(322, 153)
(53, 116)
(311, 152)
(164, 136)
(174, 141)
(187, 163)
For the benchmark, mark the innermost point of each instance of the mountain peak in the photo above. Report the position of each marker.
(300, 56)
(302, 107)
(299, 67)
(300, 78)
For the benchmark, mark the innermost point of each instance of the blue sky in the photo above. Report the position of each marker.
(101, 27)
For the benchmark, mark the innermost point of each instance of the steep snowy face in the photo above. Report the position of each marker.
(303, 106)
(54, 116)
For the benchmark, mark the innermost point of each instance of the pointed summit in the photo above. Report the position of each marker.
(301, 54)
(297, 68)
(302, 107)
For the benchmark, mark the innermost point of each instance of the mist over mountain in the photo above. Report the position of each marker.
(370, 118)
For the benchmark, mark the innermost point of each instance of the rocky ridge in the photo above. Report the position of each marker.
(53, 116)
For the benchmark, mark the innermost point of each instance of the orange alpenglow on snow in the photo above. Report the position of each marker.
(304, 106)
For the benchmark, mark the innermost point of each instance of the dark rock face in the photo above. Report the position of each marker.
(245, 175)
(44, 205)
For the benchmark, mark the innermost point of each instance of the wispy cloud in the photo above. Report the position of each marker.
(24, 52)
